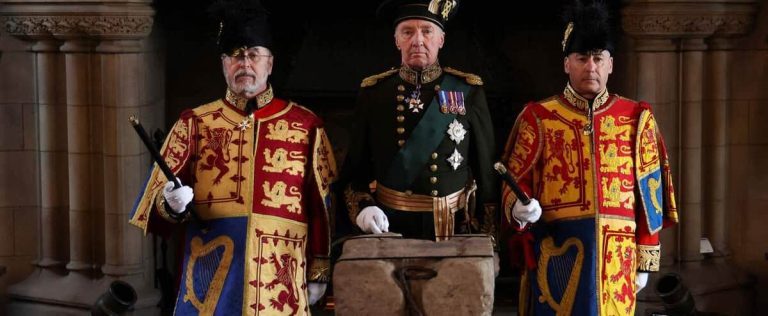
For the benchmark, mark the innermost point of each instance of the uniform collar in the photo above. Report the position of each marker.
(428, 75)
(580, 102)
(239, 102)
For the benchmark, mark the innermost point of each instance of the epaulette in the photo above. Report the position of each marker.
(472, 79)
(372, 80)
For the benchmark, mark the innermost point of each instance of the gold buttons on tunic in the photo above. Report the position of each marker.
(434, 155)
(401, 108)
(437, 87)
(434, 192)
(433, 180)
(433, 168)
(400, 130)
(400, 88)
(400, 118)
(400, 98)
(401, 142)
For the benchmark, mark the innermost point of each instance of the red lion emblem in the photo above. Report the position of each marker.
(563, 154)
(286, 270)
(218, 142)
(625, 262)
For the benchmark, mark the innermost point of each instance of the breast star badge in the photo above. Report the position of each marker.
(456, 131)
(455, 159)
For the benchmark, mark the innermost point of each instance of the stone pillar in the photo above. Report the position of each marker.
(715, 142)
(51, 98)
(690, 134)
(92, 164)
(80, 156)
(122, 82)
(657, 84)
(715, 284)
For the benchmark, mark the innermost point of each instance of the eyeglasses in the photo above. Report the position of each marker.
(241, 56)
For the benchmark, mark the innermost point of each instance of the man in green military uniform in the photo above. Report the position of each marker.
(422, 145)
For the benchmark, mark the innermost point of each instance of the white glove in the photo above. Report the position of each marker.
(372, 220)
(524, 214)
(179, 198)
(316, 291)
(641, 281)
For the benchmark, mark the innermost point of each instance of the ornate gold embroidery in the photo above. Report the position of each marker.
(198, 249)
(372, 80)
(240, 102)
(611, 160)
(447, 7)
(265, 97)
(236, 100)
(279, 161)
(548, 250)
(472, 79)
(282, 132)
(276, 196)
(580, 102)
(428, 75)
(610, 131)
(614, 196)
(320, 271)
(648, 257)
(353, 199)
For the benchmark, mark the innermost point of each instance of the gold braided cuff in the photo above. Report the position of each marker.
(648, 258)
(353, 199)
(320, 270)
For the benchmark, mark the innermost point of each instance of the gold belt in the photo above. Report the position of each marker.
(443, 207)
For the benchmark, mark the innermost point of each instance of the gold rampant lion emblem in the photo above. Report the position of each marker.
(611, 160)
(611, 131)
(276, 197)
(550, 255)
(615, 196)
(279, 162)
(283, 132)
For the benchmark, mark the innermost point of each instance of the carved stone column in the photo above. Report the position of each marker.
(96, 162)
(657, 83)
(715, 142)
(690, 154)
(692, 25)
(51, 98)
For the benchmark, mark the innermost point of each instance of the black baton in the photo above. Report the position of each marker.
(159, 160)
(512, 183)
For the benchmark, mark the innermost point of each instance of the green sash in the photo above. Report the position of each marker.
(428, 134)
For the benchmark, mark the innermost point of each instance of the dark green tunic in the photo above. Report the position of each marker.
(383, 122)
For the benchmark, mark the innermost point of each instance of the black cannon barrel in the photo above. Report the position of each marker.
(675, 295)
(119, 297)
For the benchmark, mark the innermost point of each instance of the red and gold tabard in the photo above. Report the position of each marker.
(262, 187)
(603, 181)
